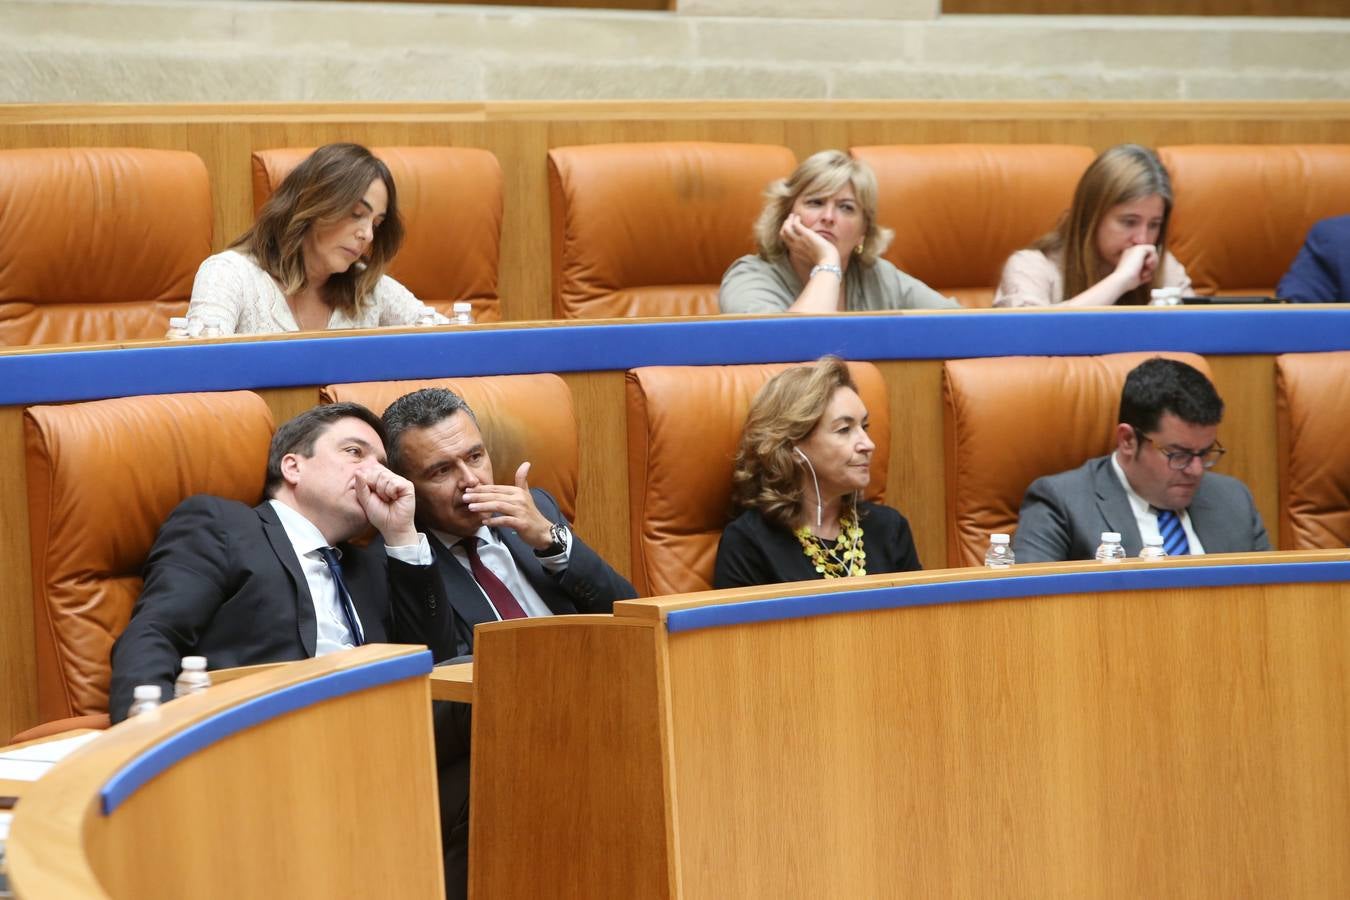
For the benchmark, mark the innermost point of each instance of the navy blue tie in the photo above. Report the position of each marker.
(344, 599)
(1173, 535)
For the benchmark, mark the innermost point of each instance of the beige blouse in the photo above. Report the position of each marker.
(1030, 278)
(231, 288)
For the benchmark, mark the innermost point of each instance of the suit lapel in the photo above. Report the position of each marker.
(304, 603)
(1211, 525)
(461, 591)
(1115, 508)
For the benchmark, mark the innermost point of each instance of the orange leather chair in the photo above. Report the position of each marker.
(1009, 420)
(1312, 393)
(649, 229)
(1242, 211)
(102, 477)
(684, 427)
(960, 210)
(522, 417)
(451, 202)
(98, 244)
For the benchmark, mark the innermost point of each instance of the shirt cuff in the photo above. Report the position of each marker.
(557, 563)
(418, 554)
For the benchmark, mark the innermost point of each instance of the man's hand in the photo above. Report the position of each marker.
(513, 507)
(389, 502)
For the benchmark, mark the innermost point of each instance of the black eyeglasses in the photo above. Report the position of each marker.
(1180, 459)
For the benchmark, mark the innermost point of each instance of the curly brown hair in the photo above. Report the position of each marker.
(324, 188)
(785, 411)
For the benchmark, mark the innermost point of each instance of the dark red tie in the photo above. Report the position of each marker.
(506, 604)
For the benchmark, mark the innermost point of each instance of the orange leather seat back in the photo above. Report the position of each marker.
(1009, 420)
(649, 229)
(1242, 211)
(960, 210)
(1312, 394)
(684, 427)
(450, 199)
(98, 244)
(522, 418)
(102, 477)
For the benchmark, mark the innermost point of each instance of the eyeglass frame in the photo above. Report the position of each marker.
(1172, 455)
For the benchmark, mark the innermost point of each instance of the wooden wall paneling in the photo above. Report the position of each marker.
(1136, 743)
(602, 488)
(287, 403)
(1247, 386)
(18, 662)
(916, 481)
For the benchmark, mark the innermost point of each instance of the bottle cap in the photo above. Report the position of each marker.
(1110, 537)
(178, 322)
(147, 692)
(462, 306)
(999, 538)
(196, 663)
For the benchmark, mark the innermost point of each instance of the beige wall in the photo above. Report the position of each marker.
(198, 50)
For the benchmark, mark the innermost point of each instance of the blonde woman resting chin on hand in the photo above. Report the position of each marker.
(820, 247)
(1111, 245)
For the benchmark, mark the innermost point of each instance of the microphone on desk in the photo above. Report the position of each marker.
(812, 469)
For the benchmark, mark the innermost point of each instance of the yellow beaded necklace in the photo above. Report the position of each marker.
(846, 557)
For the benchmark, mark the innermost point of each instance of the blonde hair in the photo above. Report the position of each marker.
(1121, 174)
(822, 175)
(323, 189)
(785, 411)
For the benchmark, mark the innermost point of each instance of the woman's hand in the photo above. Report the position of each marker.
(1137, 265)
(804, 246)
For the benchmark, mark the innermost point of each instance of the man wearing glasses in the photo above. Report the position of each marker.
(1155, 486)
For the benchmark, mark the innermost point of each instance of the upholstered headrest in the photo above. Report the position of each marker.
(960, 210)
(1010, 420)
(102, 478)
(684, 426)
(450, 199)
(98, 244)
(1312, 392)
(1242, 211)
(522, 418)
(649, 229)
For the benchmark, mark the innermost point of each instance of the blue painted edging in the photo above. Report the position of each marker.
(246, 365)
(1109, 579)
(138, 771)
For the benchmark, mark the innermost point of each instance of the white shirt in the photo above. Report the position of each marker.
(1147, 519)
(307, 540)
(497, 557)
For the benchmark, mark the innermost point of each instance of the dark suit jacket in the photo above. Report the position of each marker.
(223, 581)
(443, 617)
(1063, 516)
(1321, 271)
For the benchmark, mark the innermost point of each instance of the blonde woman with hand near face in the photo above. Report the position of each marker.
(820, 247)
(1111, 245)
(316, 256)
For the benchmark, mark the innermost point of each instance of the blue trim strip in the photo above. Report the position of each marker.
(247, 365)
(203, 734)
(1109, 579)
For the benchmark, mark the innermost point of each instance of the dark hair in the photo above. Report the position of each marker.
(420, 409)
(299, 434)
(1122, 174)
(1159, 385)
(324, 188)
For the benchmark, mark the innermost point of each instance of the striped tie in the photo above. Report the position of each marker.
(1173, 535)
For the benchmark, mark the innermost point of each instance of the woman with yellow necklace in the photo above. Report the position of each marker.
(803, 462)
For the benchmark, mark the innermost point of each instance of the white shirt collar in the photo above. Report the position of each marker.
(304, 535)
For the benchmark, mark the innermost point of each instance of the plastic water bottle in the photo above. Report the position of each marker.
(193, 679)
(427, 319)
(1109, 550)
(1153, 550)
(462, 313)
(144, 699)
(1168, 296)
(211, 328)
(1000, 552)
(178, 329)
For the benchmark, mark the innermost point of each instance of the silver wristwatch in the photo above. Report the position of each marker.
(558, 533)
